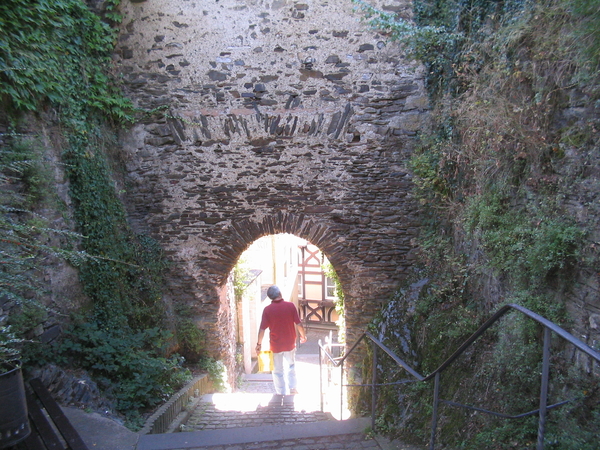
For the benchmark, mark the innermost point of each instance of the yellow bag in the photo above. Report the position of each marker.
(265, 361)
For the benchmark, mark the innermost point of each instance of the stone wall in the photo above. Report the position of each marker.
(578, 180)
(270, 116)
(59, 290)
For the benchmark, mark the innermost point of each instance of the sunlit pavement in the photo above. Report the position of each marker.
(254, 418)
(309, 382)
(257, 390)
(255, 403)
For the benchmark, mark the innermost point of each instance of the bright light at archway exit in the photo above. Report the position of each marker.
(308, 400)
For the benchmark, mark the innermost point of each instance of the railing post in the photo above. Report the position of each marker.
(544, 389)
(342, 390)
(434, 418)
(321, 374)
(373, 387)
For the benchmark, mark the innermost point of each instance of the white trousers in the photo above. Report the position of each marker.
(284, 372)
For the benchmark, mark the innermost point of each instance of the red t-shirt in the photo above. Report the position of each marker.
(281, 317)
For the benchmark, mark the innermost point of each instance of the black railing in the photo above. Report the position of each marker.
(325, 350)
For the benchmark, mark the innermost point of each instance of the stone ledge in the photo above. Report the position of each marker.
(237, 436)
(170, 412)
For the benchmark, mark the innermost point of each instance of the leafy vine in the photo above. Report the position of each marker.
(57, 54)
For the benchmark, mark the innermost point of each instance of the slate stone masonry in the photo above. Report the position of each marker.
(270, 116)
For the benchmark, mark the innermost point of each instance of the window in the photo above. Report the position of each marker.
(330, 288)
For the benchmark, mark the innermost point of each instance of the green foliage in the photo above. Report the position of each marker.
(330, 272)
(217, 373)
(111, 11)
(58, 53)
(431, 44)
(129, 364)
(441, 35)
(191, 339)
(554, 311)
(457, 39)
(30, 315)
(240, 277)
(511, 381)
(22, 164)
(505, 435)
(576, 426)
(587, 15)
(125, 284)
(10, 348)
(491, 183)
(527, 246)
(55, 50)
(431, 179)
(26, 244)
(501, 372)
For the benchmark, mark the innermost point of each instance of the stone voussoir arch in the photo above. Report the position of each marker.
(244, 232)
(366, 283)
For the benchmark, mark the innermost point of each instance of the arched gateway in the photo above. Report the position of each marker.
(275, 116)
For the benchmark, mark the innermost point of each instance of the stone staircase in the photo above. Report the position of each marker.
(254, 418)
(344, 435)
(226, 411)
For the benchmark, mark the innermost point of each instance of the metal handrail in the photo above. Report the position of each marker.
(549, 327)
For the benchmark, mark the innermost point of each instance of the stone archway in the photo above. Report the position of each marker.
(369, 267)
(273, 116)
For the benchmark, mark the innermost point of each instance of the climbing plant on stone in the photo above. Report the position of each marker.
(57, 54)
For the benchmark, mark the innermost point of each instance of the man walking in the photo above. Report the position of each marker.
(282, 320)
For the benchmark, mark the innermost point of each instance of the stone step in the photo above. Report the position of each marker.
(264, 437)
(243, 410)
(254, 418)
(264, 377)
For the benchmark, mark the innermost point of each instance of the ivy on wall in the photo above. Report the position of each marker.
(58, 50)
(495, 225)
(57, 54)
